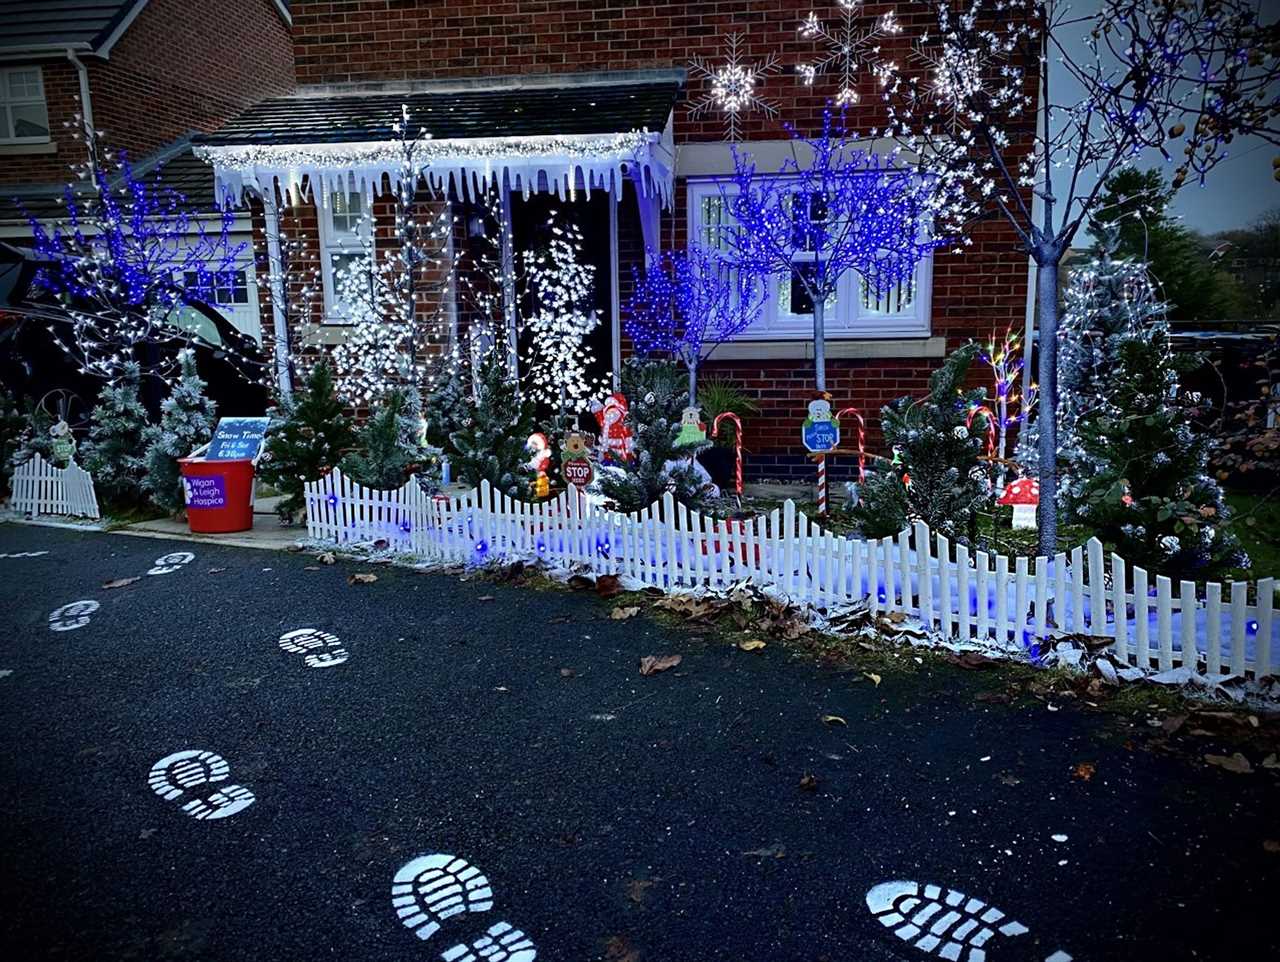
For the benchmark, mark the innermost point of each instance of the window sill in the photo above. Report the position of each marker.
(802, 349)
(18, 149)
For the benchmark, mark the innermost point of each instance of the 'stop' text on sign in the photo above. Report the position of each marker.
(237, 438)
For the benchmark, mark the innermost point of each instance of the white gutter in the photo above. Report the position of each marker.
(86, 102)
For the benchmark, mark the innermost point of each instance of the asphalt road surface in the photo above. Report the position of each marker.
(493, 750)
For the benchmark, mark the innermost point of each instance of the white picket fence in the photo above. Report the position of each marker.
(967, 595)
(40, 488)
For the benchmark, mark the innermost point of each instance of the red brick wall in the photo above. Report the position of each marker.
(983, 289)
(179, 67)
(61, 88)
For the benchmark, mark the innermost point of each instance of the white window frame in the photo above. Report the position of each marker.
(847, 319)
(334, 242)
(7, 103)
(245, 317)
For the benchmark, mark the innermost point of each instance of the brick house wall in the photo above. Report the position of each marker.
(974, 293)
(179, 67)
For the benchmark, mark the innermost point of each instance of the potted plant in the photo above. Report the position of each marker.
(716, 397)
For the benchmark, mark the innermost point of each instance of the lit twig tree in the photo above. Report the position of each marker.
(1181, 79)
(687, 303)
(129, 254)
(831, 209)
(389, 293)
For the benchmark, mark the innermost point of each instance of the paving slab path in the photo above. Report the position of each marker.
(426, 768)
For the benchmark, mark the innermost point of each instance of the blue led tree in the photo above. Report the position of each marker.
(831, 208)
(686, 303)
(129, 254)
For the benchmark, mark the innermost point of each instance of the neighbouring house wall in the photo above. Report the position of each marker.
(179, 67)
(973, 294)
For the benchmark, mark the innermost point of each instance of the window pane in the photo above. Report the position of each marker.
(891, 298)
(30, 120)
(346, 210)
(793, 298)
(340, 265)
(24, 84)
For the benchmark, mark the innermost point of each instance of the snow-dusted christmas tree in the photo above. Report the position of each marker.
(113, 453)
(489, 442)
(186, 422)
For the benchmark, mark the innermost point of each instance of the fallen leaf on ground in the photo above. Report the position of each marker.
(559, 620)
(567, 673)
(214, 571)
(970, 659)
(621, 614)
(119, 582)
(311, 568)
(777, 850)
(618, 949)
(1233, 763)
(751, 644)
(485, 598)
(834, 720)
(897, 617)
(1173, 722)
(994, 697)
(362, 578)
(637, 888)
(326, 557)
(1083, 771)
(872, 676)
(808, 782)
(580, 582)
(652, 664)
(146, 833)
(1271, 761)
(608, 585)
(381, 544)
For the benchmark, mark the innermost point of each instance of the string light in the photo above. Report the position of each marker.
(732, 85)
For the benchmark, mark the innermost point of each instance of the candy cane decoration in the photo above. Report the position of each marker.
(862, 441)
(822, 484)
(737, 446)
(991, 427)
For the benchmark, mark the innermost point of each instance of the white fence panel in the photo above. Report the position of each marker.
(964, 594)
(40, 488)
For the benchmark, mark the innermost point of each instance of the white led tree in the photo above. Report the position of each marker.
(560, 287)
(398, 337)
(974, 101)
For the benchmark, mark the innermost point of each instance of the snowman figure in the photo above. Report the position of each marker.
(692, 429)
(820, 413)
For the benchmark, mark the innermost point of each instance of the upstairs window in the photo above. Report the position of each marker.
(24, 115)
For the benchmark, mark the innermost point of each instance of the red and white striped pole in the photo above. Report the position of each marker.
(822, 485)
(862, 441)
(991, 427)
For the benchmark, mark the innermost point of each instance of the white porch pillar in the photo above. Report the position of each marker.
(508, 256)
(276, 280)
(615, 297)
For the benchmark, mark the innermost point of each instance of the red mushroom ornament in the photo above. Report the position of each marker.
(1024, 495)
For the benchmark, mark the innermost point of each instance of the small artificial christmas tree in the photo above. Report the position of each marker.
(186, 422)
(113, 453)
(310, 438)
(1140, 478)
(490, 440)
(384, 458)
(657, 393)
(12, 425)
(935, 475)
(448, 406)
(33, 437)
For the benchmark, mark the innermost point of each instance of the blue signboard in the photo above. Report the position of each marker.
(209, 491)
(820, 436)
(237, 438)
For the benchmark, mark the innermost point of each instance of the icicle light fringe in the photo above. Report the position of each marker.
(468, 167)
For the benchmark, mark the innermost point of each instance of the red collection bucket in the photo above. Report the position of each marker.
(219, 494)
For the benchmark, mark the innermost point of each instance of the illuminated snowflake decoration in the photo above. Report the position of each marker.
(849, 47)
(732, 86)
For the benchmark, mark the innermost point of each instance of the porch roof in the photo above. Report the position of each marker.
(557, 133)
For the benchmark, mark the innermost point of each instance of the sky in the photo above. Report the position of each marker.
(1236, 192)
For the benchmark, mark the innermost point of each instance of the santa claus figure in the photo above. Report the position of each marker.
(615, 436)
(539, 463)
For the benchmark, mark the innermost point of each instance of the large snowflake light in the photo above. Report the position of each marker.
(732, 86)
(848, 45)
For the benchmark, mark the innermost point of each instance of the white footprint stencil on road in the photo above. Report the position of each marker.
(22, 554)
(72, 616)
(319, 649)
(169, 563)
(943, 922)
(432, 888)
(502, 943)
(178, 774)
